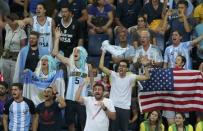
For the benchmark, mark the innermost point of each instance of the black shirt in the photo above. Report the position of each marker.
(128, 14)
(50, 118)
(32, 59)
(76, 6)
(152, 14)
(69, 37)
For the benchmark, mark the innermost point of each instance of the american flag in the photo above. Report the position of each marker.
(174, 90)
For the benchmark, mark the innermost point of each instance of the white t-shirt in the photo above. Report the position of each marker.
(121, 89)
(97, 120)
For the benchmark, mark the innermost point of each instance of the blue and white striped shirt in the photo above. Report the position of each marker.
(19, 114)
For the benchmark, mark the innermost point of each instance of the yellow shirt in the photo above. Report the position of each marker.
(199, 126)
(190, 128)
(198, 12)
(143, 128)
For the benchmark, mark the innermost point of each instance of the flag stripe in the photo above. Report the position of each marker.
(191, 95)
(168, 105)
(188, 81)
(188, 109)
(171, 101)
(186, 94)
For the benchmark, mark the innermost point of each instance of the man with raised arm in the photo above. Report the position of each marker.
(121, 90)
(98, 109)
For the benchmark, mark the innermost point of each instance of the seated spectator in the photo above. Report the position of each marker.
(127, 13)
(199, 126)
(180, 124)
(135, 31)
(100, 18)
(52, 106)
(153, 123)
(28, 57)
(4, 97)
(14, 40)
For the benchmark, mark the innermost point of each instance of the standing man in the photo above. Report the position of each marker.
(71, 33)
(98, 109)
(179, 48)
(28, 57)
(49, 116)
(147, 53)
(78, 7)
(18, 111)
(121, 91)
(44, 25)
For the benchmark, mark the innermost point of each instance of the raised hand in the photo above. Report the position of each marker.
(57, 32)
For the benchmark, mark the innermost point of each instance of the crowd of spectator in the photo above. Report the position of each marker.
(46, 37)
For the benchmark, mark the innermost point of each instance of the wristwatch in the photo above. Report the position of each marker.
(105, 108)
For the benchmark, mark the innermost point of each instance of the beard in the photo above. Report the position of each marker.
(98, 96)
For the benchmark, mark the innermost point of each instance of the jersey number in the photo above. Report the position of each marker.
(77, 80)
